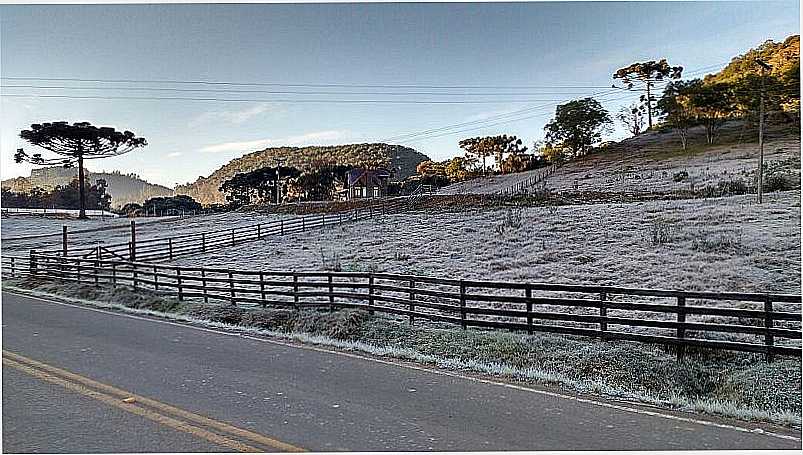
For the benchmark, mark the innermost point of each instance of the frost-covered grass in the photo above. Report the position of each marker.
(655, 162)
(147, 228)
(490, 184)
(722, 244)
(650, 163)
(726, 384)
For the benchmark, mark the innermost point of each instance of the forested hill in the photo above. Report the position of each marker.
(124, 188)
(784, 58)
(402, 159)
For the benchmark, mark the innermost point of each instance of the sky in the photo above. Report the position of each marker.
(485, 60)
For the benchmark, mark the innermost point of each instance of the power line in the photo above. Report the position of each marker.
(280, 92)
(527, 117)
(340, 101)
(277, 84)
(425, 133)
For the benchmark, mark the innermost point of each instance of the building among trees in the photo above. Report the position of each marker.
(367, 183)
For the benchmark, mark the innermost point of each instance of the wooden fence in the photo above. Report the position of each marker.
(523, 186)
(168, 248)
(763, 323)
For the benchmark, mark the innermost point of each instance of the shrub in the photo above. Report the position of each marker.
(331, 263)
(712, 242)
(725, 188)
(511, 220)
(661, 232)
(777, 182)
(680, 176)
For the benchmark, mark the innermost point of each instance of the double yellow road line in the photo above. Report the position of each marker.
(214, 431)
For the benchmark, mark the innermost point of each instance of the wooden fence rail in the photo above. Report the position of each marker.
(524, 186)
(168, 248)
(751, 322)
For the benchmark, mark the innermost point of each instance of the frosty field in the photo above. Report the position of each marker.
(722, 244)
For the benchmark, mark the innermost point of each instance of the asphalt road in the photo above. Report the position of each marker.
(288, 396)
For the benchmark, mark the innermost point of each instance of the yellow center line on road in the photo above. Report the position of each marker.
(159, 412)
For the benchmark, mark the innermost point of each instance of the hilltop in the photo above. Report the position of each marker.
(653, 162)
(400, 159)
(124, 188)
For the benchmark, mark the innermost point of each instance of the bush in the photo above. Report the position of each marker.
(717, 242)
(777, 182)
(725, 188)
(661, 232)
(680, 176)
(511, 220)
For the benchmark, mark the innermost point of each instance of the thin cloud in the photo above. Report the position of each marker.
(315, 138)
(173, 154)
(232, 117)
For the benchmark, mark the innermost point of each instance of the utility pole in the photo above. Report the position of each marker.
(649, 106)
(764, 67)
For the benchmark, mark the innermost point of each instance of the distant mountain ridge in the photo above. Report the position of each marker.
(397, 158)
(124, 188)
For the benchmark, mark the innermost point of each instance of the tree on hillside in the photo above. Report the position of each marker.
(75, 143)
(496, 146)
(712, 105)
(677, 108)
(61, 196)
(257, 186)
(632, 117)
(647, 73)
(320, 184)
(577, 126)
(458, 169)
(171, 205)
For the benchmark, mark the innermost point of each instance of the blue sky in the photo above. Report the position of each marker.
(539, 45)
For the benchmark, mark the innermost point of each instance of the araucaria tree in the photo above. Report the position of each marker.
(74, 144)
(647, 73)
(577, 126)
(496, 146)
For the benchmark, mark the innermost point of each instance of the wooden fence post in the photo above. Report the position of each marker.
(64, 240)
(603, 313)
(680, 333)
(528, 294)
(281, 226)
(95, 272)
(170, 247)
(231, 288)
(259, 232)
(262, 287)
(114, 274)
(340, 218)
(132, 245)
(12, 268)
(302, 223)
(203, 242)
(412, 301)
(769, 339)
(134, 274)
(462, 305)
(232, 236)
(370, 293)
(323, 220)
(295, 290)
(203, 285)
(331, 293)
(155, 279)
(178, 284)
(32, 262)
